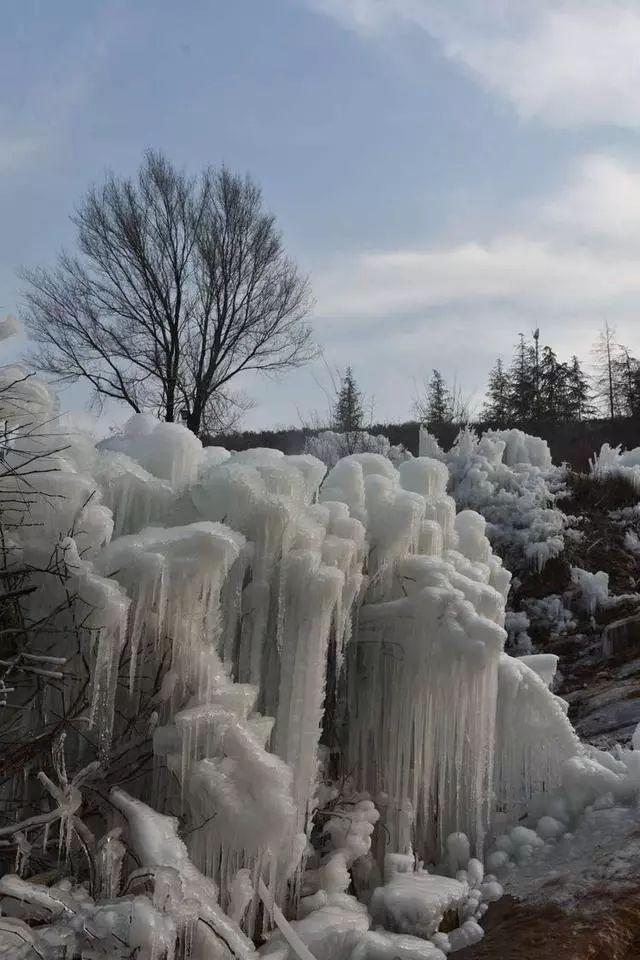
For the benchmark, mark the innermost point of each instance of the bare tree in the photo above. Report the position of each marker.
(179, 285)
(606, 352)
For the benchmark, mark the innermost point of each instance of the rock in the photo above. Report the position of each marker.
(621, 639)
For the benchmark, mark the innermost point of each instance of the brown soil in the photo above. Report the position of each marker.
(515, 931)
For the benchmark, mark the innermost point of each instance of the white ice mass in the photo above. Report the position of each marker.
(315, 663)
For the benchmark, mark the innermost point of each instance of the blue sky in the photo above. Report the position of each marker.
(449, 172)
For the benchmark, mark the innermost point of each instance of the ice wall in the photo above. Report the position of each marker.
(235, 610)
(430, 635)
(534, 738)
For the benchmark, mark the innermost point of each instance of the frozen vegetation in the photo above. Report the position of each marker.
(274, 702)
(330, 446)
(616, 462)
(509, 478)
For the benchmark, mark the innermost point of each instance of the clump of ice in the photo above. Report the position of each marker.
(330, 446)
(415, 903)
(522, 448)
(508, 477)
(167, 450)
(616, 462)
(592, 589)
(517, 625)
(544, 664)
(551, 615)
(534, 737)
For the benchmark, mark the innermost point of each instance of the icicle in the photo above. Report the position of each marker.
(534, 738)
(312, 594)
(425, 642)
(110, 856)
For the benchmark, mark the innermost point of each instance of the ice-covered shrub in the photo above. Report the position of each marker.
(508, 477)
(330, 447)
(616, 462)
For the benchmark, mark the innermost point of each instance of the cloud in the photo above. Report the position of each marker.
(566, 263)
(16, 150)
(512, 269)
(601, 202)
(569, 63)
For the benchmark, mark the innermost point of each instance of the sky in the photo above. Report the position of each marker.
(450, 173)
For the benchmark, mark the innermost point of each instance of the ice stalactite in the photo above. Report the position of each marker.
(534, 737)
(155, 840)
(430, 633)
(303, 575)
(295, 583)
(175, 577)
(259, 494)
(237, 795)
(136, 498)
(310, 596)
(54, 522)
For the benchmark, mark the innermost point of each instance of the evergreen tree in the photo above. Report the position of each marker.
(523, 385)
(579, 403)
(497, 408)
(538, 386)
(627, 379)
(552, 390)
(348, 413)
(439, 407)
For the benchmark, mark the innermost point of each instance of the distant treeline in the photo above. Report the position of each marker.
(573, 411)
(573, 442)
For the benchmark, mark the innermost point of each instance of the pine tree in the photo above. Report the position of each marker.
(497, 408)
(439, 407)
(538, 386)
(551, 400)
(522, 377)
(348, 413)
(579, 394)
(627, 378)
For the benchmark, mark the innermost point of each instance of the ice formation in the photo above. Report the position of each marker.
(522, 448)
(508, 477)
(534, 737)
(616, 462)
(316, 665)
(330, 446)
(592, 589)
